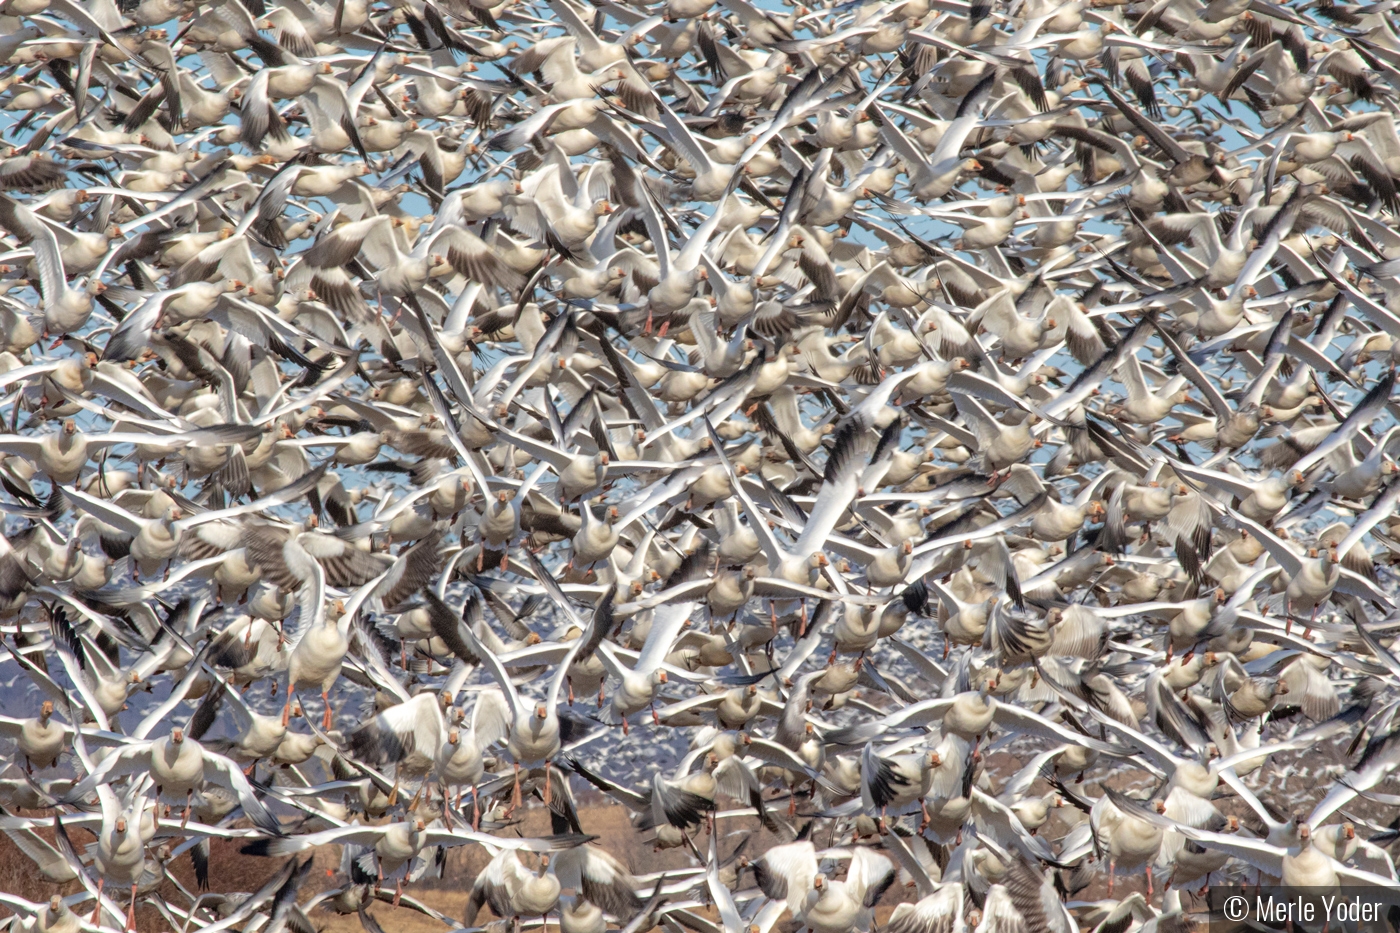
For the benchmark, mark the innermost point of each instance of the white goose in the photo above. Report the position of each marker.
(66, 309)
(532, 734)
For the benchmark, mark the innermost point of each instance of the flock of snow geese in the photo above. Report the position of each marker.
(955, 436)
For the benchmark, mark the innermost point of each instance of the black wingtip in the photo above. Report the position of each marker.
(261, 848)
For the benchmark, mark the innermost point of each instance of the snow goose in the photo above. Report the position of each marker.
(459, 758)
(63, 454)
(962, 623)
(1295, 860)
(103, 686)
(179, 765)
(1312, 579)
(843, 906)
(711, 178)
(512, 890)
(599, 878)
(1129, 841)
(66, 309)
(671, 805)
(533, 735)
(595, 539)
(119, 855)
(41, 740)
(637, 686)
(899, 782)
(394, 845)
(940, 910)
(936, 174)
(290, 557)
(555, 59)
(965, 713)
(679, 274)
(256, 736)
(319, 641)
(558, 208)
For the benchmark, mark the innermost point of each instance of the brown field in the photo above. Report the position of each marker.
(231, 871)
